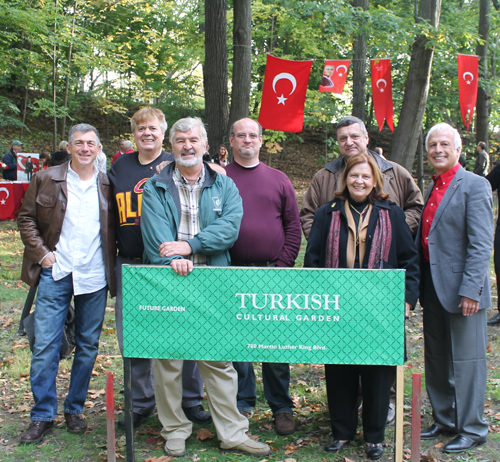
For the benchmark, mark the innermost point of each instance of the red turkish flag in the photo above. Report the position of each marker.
(334, 75)
(284, 94)
(382, 92)
(467, 86)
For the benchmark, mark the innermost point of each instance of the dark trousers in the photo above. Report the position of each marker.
(455, 365)
(342, 391)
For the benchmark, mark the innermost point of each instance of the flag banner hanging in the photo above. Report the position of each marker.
(297, 315)
(284, 94)
(334, 75)
(467, 86)
(382, 92)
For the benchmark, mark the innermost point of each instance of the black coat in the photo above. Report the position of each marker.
(402, 255)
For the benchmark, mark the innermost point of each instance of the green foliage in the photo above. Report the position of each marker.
(10, 114)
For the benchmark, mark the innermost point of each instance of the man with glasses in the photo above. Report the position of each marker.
(269, 236)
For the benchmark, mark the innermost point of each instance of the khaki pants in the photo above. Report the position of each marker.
(221, 383)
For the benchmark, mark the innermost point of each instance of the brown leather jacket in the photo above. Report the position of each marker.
(398, 183)
(41, 218)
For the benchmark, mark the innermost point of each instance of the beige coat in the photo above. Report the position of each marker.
(398, 183)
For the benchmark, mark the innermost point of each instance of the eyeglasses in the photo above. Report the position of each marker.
(242, 136)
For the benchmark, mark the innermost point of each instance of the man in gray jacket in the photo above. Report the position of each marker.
(455, 239)
(353, 139)
(191, 216)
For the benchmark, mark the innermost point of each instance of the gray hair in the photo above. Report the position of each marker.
(128, 144)
(440, 128)
(350, 120)
(184, 125)
(231, 130)
(83, 128)
(63, 145)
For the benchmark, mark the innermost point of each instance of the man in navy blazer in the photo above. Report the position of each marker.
(455, 239)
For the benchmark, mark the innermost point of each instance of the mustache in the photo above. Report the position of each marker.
(188, 151)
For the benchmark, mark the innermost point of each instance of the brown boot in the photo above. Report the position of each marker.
(75, 423)
(284, 423)
(35, 432)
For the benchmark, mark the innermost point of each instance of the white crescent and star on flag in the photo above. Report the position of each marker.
(385, 85)
(465, 74)
(338, 68)
(285, 76)
(3, 201)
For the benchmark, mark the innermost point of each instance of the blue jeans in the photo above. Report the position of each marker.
(276, 380)
(52, 304)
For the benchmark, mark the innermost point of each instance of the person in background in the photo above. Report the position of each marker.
(221, 156)
(494, 178)
(44, 161)
(339, 239)
(482, 164)
(10, 161)
(126, 147)
(101, 162)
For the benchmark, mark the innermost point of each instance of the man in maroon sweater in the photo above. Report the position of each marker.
(269, 236)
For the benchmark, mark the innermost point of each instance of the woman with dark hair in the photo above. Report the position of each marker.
(361, 228)
(221, 157)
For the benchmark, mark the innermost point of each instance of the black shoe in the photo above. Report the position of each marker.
(36, 431)
(461, 443)
(335, 445)
(432, 432)
(197, 414)
(137, 419)
(374, 451)
(494, 320)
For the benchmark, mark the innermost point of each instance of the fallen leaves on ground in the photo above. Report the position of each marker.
(159, 459)
(204, 434)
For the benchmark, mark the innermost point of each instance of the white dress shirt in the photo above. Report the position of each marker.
(79, 248)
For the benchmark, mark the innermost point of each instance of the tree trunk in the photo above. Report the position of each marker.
(70, 50)
(54, 88)
(242, 61)
(359, 69)
(215, 72)
(407, 133)
(482, 105)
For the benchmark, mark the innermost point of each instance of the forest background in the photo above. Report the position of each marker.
(69, 61)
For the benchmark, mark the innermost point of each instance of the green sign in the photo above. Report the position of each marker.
(265, 314)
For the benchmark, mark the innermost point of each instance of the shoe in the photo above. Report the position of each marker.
(75, 422)
(35, 431)
(284, 423)
(432, 432)
(374, 451)
(136, 418)
(461, 443)
(494, 320)
(249, 446)
(391, 414)
(247, 414)
(197, 414)
(176, 447)
(335, 445)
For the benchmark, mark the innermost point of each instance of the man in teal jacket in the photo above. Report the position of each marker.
(190, 217)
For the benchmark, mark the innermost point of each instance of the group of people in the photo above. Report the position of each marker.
(360, 211)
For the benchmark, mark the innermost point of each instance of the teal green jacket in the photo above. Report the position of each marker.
(221, 210)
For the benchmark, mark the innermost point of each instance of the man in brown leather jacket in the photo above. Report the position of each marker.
(67, 227)
(352, 138)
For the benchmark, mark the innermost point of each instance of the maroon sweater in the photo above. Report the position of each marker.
(270, 229)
